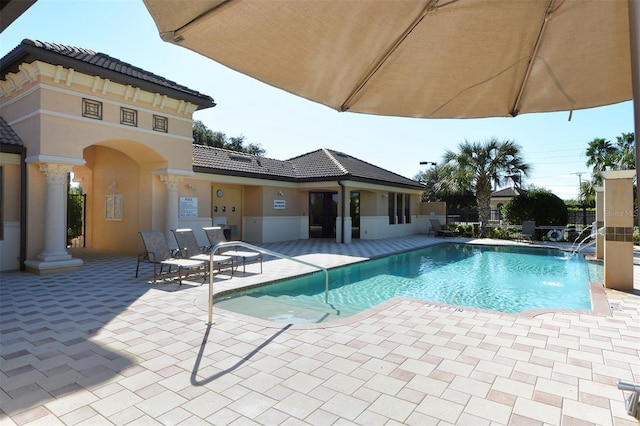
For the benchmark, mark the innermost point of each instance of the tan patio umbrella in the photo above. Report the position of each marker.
(423, 58)
(417, 58)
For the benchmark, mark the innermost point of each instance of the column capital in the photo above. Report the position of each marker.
(55, 173)
(171, 181)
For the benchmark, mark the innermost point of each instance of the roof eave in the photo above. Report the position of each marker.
(224, 172)
(28, 53)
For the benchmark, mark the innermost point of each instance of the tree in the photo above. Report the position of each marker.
(539, 205)
(202, 135)
(602, 155)
(476, 166)
(430, 178)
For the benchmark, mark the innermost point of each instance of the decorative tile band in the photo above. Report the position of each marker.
(619, 233)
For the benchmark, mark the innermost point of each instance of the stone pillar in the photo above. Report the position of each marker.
(54, 257)
(599, 222)
(171, 212)
(347, 229)
(618, 223)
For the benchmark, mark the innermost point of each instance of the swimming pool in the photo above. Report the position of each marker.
(499, 278)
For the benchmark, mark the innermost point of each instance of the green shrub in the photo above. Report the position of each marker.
(467, 231)
(540, 205)
(500, 233)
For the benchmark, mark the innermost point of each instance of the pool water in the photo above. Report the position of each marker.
(499, 278)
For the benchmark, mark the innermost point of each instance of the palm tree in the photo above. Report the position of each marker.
(602, 155)
(477, 166)
(599, 155)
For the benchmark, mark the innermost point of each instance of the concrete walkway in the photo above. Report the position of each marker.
(98, 346)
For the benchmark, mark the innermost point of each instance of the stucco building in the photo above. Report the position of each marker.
(125, 135)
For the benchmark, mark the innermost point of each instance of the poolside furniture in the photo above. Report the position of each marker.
(188, 248)
(157, 253)
(528, 230)
(435, 224)
(215, 235)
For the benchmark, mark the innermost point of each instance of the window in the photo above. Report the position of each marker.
(392, 213)
(128, 117)
(91, 109)
(160, 124)
(114, 207)
(407, 208)
(399, 209)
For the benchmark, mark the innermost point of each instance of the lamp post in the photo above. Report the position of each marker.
(435, 168)
(431, 163)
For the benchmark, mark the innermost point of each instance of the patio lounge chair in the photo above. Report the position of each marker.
(215, 234)
(157, 253)
(188, 248)
(435, 224)
(528, 230)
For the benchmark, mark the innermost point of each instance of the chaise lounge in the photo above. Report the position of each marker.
(188, 248)
(215, 235)
(437, 228)
(157, 253)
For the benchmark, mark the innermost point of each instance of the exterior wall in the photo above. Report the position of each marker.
(9, 255)
(148, 168)
(431, 210)
(46, 110)
(114, 174)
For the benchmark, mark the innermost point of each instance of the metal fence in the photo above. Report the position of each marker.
(466, 216)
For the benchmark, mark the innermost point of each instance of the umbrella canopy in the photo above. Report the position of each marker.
(418, 58)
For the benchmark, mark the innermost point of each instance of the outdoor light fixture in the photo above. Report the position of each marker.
(281, 193)
(191, 187)
(112, 185)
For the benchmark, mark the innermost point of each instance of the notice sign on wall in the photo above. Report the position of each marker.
(188, 206)
(279, 204)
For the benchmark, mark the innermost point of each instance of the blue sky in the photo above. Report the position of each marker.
(286, 125)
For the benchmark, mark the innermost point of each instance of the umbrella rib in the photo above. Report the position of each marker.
(175, 37)
(532, 58)
(432, 6)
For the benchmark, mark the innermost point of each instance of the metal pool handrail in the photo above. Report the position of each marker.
(215, 248)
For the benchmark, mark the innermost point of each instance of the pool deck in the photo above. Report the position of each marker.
(98, 346)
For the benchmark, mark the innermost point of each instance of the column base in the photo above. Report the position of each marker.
(40, 267)
(54, 257)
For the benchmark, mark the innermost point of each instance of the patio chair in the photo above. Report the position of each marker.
(528, 230)
(435, 224)
(157, 253)
(188, 248)
(215, 235)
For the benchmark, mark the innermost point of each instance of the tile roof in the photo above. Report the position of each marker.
(320, 165)
(7, 135)
(100, 64)
(507, 192)
(325, 163)
(221, 161)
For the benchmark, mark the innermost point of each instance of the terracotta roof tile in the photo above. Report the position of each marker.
(320, 165)
(7, 135)
(100, 64)
(234, 163)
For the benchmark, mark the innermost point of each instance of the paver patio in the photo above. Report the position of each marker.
(98, 346)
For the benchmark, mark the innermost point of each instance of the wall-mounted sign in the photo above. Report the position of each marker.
(188, 206)
(279, 204)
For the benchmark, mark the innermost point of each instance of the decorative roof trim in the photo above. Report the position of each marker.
(96, 64)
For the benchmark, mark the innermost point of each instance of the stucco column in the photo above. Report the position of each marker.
(54, 256)
(618, 223)
(171, 207)
(599, 222)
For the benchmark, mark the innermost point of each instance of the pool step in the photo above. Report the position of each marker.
(279, 310)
